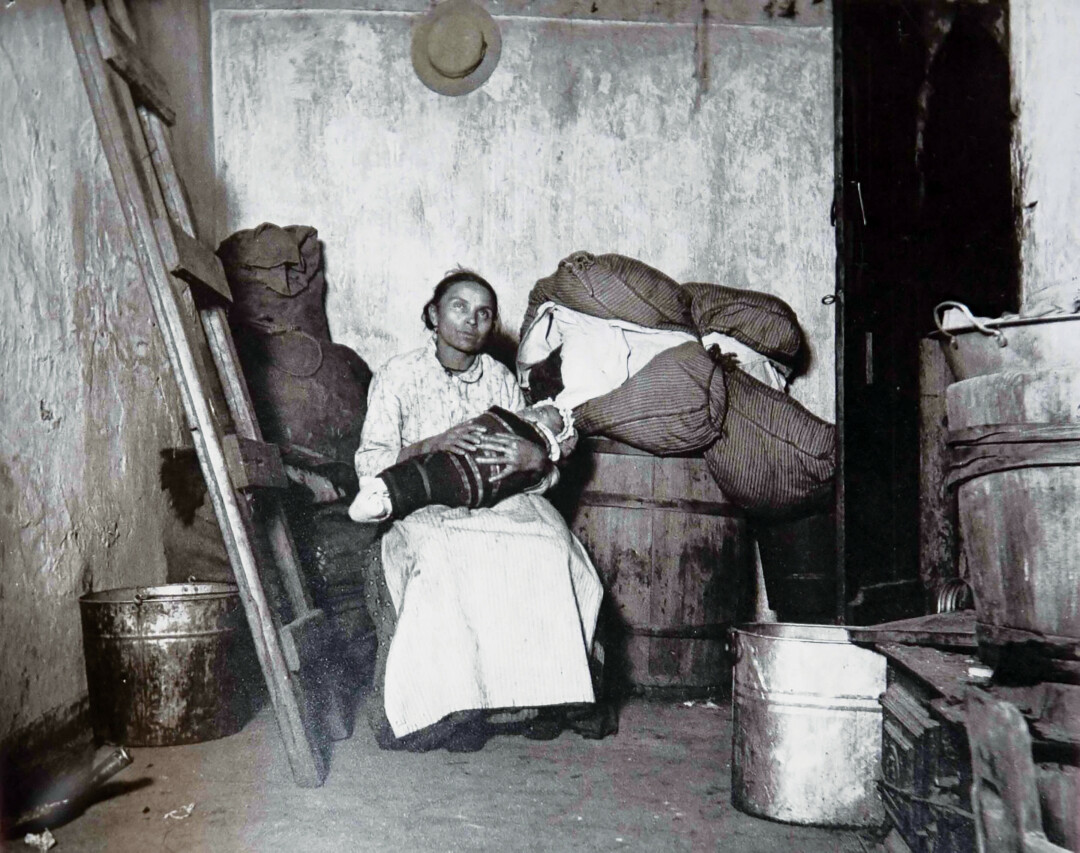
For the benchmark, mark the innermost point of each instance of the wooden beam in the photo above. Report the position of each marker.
(191, 260)
(123, 54)
(304, 639)
(937, 503)
(254, 464)
(1004, 791)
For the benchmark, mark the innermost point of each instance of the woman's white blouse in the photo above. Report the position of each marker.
(413, 397)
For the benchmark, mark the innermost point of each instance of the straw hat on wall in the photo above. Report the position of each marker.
(455, 47)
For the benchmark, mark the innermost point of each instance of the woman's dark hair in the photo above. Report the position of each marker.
(448, 281)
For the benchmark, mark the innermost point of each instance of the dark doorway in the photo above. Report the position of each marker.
(926, 215)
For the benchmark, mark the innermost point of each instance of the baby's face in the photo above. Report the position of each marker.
(549, 416)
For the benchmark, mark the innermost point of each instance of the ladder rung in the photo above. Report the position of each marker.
(253, 464)
(304, 639)
(148, 87)
(191, 260)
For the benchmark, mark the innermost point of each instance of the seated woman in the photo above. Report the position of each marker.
(455, 479)
(482, 610)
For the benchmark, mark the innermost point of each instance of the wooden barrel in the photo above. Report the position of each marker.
(1019, 511)
(676, 560)
(1014, 458)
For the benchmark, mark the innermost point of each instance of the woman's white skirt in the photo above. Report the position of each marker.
(496, 608)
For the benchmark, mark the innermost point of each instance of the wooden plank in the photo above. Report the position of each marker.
(945, 630)
(937, 504)
(191, 260)
(125, 150)
(1004, 796)
(966, 462)
(710, 508)
(305, 639)
(687, 479)
(214, 321)
(1014, 434)
(254, 464)
(322, 678)
(947, 673)
(123, 54)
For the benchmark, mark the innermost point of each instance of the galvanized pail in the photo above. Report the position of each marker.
(165, 665)
(806, 741)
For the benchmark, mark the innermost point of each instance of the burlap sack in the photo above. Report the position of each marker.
(276, 277)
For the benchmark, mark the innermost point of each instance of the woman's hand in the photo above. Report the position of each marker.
(510, 454)
(463, 438)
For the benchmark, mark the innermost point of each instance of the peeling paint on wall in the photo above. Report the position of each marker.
(86, 408)
(594, 135)
(1046, 102)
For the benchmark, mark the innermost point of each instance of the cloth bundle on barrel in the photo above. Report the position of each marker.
(613, 287)
(308, 392)
(669, 530)
(761, 321)
(767, 453)
(773, 456)
(675, 404)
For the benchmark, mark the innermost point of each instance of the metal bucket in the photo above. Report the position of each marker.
(165, 665)
(980, 348)
(807, 725)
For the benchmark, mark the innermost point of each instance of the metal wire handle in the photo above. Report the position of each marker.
(963, 309)
(954, 594)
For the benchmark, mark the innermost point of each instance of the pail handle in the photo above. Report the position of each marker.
(962, 308)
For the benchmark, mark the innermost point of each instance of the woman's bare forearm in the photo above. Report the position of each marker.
(411, 450)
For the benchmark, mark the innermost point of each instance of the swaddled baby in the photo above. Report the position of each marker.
(459, 479)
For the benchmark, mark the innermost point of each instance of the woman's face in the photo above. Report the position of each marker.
(464, 317)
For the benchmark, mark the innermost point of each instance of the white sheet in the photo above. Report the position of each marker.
(597, 355)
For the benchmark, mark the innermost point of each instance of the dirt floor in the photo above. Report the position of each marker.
(662, 783)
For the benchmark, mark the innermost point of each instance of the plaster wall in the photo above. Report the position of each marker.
(1046, 101)
(88, 398)
(175, 34)
(704, 147)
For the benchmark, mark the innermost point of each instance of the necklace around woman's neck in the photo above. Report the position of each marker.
(454, 371)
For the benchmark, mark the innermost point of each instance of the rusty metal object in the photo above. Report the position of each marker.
(165, 664)
(806, 726)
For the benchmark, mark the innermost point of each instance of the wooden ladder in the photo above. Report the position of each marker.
(245, 475)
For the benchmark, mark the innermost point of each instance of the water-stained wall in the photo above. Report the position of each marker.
(701, 144)
(1045, 66)
(88, 399)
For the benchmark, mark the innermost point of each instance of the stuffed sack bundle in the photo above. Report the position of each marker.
(308, 392)
(613, 287)
(761, 321)
(675, 404)
(773, 455)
